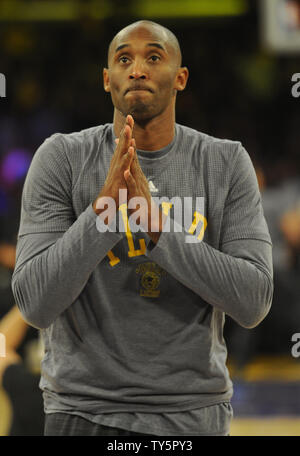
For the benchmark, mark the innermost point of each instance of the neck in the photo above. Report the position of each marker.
(149, 135)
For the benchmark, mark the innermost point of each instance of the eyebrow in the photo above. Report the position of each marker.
(159, 46)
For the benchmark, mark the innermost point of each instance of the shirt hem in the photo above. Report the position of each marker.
(144, 429)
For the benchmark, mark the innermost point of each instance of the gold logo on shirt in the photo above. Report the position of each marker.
(150, 280)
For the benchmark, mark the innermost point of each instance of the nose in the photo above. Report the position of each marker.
(138, 71)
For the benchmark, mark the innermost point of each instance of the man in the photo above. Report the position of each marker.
(132, 320)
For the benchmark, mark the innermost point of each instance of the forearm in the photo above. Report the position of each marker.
(47, 283)
(236, 281)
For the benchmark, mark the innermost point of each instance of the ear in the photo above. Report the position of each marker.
(181, 78)
(106, 84)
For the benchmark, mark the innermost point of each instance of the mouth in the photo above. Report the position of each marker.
(138, 89)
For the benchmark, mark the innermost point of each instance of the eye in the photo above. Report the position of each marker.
(154, 58)
(123, 59)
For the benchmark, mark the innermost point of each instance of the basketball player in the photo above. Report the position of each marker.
(132, 321)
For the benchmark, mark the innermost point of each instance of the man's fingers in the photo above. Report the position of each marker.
(128, 128)
(129, 157)
(125, 137)
(130, 121)
(135, 170)
(136, 167)
(136, 159)
(130, 181)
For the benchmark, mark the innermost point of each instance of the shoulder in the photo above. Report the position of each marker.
(61, 156)
(70, 143)
(221, 152)
(66, 153)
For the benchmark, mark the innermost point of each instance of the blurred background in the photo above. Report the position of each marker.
(244, 63)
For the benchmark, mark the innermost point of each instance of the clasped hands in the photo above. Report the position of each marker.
(125, 174)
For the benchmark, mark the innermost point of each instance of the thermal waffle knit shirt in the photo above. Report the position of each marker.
(133, 329)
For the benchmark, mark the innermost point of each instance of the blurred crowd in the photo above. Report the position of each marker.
(236, 91)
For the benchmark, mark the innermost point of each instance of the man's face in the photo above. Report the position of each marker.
(142, 74)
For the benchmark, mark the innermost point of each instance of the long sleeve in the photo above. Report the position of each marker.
(52, 269)
(236, 277)
(237, 281)
(56, 253)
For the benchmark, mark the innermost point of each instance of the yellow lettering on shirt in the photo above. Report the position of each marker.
(197, 219)
(132, 251)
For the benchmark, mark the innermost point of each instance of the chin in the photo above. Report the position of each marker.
(142, 112)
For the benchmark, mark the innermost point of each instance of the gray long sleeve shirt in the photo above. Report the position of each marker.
(129, 325)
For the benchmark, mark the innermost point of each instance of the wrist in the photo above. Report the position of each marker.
(105, 208)
(154, 237)
(156, 224)
(104, 200)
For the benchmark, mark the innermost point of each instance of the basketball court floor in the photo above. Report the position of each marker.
(266, 400)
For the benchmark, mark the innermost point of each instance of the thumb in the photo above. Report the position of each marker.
(131, 184)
